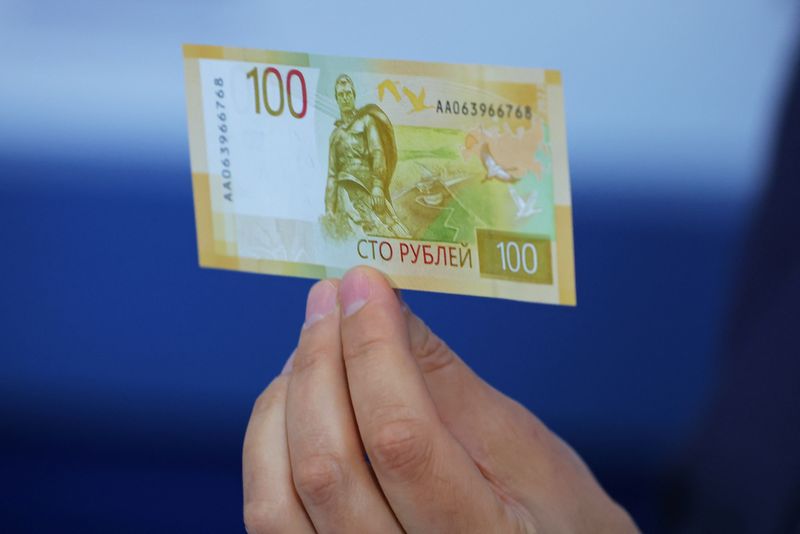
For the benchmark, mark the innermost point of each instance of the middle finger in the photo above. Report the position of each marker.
(328, 466)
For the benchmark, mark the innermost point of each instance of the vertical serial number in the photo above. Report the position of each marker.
(224, 142)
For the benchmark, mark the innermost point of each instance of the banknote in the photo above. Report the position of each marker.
(448, 178)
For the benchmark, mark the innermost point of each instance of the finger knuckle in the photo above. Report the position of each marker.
(318, 478)
(402, 448)
(269, 397)
(432, 353)
(369, 344)
(376, 332)
(265, 517)
(309, 355)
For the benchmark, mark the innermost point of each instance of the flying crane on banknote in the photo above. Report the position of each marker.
(417, 101)
(391, 86)
(525, 207)
(495, 171)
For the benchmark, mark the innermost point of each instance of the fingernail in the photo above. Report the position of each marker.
(321, 302)
(287, 367)
(354, 291)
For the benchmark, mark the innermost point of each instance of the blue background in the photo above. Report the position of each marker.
(127, 373)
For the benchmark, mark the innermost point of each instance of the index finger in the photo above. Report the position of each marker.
(429, 480)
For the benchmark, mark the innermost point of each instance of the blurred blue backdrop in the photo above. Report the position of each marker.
(127, 372)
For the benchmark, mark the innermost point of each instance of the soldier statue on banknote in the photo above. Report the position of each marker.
(361, 163)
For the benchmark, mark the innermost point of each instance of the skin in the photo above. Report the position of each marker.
(447, 452)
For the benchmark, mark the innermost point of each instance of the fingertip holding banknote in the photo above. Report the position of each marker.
(450, 178)
(322, 301)
(355, 290)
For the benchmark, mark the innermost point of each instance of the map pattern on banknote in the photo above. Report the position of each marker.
(449, 178)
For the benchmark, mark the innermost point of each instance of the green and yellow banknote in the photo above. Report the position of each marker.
(449, 178)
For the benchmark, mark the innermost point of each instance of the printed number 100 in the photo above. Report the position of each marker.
(512, 258)
(284, 92)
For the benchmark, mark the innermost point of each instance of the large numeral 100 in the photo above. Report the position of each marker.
(285, 92)
(512, 259)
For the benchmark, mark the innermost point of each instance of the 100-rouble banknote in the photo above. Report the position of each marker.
(449, 178)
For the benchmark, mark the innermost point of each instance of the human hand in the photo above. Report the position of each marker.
(447, 452)
(378, 199)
